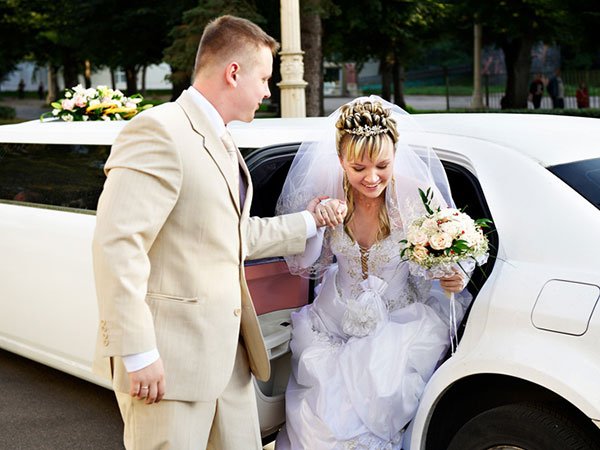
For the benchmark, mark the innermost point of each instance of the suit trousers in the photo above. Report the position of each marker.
(230, 422)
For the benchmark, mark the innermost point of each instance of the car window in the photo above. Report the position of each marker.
(52, 175)
(269, 167)
(583, 176)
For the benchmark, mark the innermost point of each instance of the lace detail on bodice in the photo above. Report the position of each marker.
(375, 259)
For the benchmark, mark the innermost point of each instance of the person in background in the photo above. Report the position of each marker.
(536, 91)
(556, 90)
(583, 96)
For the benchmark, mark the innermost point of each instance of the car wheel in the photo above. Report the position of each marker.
(521, 426)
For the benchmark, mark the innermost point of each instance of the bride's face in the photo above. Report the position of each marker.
(367, 177)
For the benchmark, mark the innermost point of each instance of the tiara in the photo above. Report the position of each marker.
(367, 130)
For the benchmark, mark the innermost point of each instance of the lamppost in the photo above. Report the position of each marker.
(292, 85)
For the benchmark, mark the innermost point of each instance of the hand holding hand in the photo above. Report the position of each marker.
(148, 383)
(328, 211)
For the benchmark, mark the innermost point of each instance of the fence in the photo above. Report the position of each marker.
(456, 84)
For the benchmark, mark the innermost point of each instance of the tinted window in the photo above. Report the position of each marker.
(52, 175)
(583, 176)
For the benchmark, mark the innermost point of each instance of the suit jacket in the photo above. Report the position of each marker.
(169, 250)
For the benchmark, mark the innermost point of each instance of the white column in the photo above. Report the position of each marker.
(292, 85)
(477, 100)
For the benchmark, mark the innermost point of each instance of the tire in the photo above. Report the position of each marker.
(522, 426)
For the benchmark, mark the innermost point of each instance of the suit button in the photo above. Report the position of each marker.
(237, 312)
(106, 342)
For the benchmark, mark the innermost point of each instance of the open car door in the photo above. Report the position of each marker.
(275, 292)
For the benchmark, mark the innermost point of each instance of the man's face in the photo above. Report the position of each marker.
(253, 84)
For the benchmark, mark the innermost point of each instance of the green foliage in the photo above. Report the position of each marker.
(589, 112)
(7, 113)
(365, 29)
(181, 54)
(14, 42)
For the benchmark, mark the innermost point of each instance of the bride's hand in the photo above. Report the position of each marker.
(454, 283)
(328, 211)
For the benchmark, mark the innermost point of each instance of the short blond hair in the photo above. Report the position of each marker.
(228, 37)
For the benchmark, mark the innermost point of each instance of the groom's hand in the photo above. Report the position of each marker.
(148, 383)
(327, 211)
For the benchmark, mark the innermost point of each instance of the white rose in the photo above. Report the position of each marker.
(130, 104)
(451, 227)
(419, 253)
(429, 225)
(67, 118)
(416, 236)
(441, 241)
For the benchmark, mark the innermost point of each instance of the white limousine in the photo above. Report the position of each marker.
(526, 374)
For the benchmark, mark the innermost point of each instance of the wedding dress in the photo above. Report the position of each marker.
(363, 351)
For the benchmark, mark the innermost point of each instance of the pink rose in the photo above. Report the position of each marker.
(80, 101)
(68, 105)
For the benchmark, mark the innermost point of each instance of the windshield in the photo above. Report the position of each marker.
(583, 176)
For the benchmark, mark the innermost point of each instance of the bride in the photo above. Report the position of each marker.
(364, 350)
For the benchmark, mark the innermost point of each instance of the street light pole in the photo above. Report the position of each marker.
(292, 85)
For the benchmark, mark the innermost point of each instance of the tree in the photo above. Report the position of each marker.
(14, 42)
(134, 37)
(311, 31)
(390, 31)
(54, 35)
(583, 50)
(181, 54)
(515, 26)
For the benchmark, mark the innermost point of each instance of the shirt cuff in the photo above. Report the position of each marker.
(138, 361)
(311, 226)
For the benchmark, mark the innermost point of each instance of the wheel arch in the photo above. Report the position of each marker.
(477, 393)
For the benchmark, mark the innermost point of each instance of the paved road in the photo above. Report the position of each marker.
(43, 409)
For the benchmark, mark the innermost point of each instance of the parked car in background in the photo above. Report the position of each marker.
(526, 374)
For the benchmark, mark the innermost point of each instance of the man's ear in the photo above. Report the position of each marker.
(231, 73)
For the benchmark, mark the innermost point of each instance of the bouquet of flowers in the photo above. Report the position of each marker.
(439, 241)
(442, 241)
(101, 103)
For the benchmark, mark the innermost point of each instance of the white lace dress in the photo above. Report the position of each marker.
(363, 351)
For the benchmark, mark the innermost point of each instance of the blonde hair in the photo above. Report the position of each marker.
(363, 129)
(228, 37)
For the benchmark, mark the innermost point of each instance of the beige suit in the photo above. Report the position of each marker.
(169, 251)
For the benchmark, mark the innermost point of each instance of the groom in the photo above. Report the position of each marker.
(178, 331)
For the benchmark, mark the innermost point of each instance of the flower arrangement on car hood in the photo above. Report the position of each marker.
(100, 103)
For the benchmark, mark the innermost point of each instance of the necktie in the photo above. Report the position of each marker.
(232, 153)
